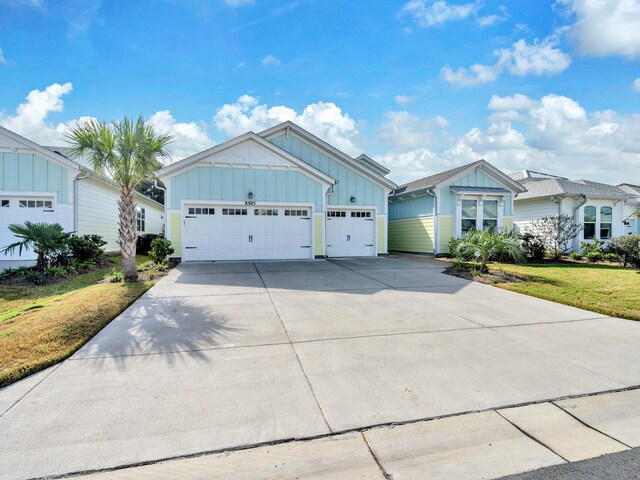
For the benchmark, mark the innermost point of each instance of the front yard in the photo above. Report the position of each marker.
(607, 289)
(42, 325)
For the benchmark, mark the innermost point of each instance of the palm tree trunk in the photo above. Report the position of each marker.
(127, 233)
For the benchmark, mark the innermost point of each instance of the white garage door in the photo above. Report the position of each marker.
(219, 232)
(350, 233)
(20, 210)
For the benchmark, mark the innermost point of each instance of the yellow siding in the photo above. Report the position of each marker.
(176, 233)
(447, 232)
(412, 235)
(507, 224)
(381, 242)
(317, 234)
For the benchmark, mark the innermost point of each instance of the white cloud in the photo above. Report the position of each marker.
(403, 131)
(326, 120)
(538, 58)
(187, 137)
(271, 61)
(514, 102)
(635, 85)
(238, 3)
(404, 99)
(493, 19)
(3, 59)
(431, 13)
(606, 27)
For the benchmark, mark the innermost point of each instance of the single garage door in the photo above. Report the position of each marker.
(19, 210)
(219, 232)
(350, 233)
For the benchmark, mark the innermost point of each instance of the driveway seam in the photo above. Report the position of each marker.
(304, 372)
(55, 367)
(385, 474)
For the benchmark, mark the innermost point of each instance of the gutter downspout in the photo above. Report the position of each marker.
(80, 176)
(166, 217)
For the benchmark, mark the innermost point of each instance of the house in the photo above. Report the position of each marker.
(425, 214)
(280, 194)
(40, 184)
(604, 211)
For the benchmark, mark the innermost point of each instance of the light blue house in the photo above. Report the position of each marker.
(280, 194)
(425, 214)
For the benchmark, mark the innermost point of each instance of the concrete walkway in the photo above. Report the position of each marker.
(219, 356)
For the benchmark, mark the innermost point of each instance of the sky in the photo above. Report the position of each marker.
(421, 85)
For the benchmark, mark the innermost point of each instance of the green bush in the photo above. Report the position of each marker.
(575, 256)
(34, 276)
(533, 246)
(594, 256)
(143, 243)
(611, 257)
(627, 248)
(160, 249)
(115, 276)
(86, 247)
(595, 246)
(487, 245)
(55, 271)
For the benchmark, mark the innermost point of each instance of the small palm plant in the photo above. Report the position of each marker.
(487, 245)
(128, 152)
(44, 239)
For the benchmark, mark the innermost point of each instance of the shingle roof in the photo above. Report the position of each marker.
(627, 187)
(548, 187)
(432, 180)
(522, 174)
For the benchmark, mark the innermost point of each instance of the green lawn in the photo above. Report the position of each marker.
(42, 325)
(606, 289)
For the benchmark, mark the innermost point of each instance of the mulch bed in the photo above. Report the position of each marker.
(491, 278)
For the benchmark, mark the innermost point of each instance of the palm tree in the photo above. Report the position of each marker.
(44, 239)
(127, 152)
(486, 245)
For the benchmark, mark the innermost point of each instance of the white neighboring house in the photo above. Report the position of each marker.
(604, 211)
(40, 184)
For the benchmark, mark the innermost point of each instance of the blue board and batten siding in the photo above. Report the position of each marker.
(349, 182)
(411, 208)
(477, 178)
(25, 172)
(233, 184)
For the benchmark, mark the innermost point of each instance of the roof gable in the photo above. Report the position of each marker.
(549, 187)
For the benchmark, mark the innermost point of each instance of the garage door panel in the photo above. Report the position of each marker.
(350, 233)
(36, 210)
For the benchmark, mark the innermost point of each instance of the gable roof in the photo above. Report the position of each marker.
(187, 162)
(433, 181)
(359, 166)
(522, 174)
(550, 187)
(370, 163)
(629, 188)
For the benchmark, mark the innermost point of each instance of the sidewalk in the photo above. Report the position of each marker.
(483, 445)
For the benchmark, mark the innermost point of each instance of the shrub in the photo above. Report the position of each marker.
(611, 257)
(160, 249)
(55, 271)
(556, 232)
(596, 246)
(86, 247)
(115, 276)
(143, 243)
(533, 246)
(593, 257)
(487, 245)
(34, 276)
(627, 248)
(575, 256)
(47, 240)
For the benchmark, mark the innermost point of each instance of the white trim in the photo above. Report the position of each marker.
(492, 171)
(351, 206)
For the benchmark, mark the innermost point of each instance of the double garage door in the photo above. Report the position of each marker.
(224, 232)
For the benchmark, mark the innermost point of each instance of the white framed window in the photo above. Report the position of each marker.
(234, 211)
(490, 215)
(469, 215)
(606, 219)
(201, 211)
(140, 219)
(5, 203)
(296, 213)
(34, 204)
(336, 214)
(361, 214)
(271, 212)
(589, 222)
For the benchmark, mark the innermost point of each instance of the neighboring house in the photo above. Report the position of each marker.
(425, 214)
(604, 211)
(280, 194)
(40, 184)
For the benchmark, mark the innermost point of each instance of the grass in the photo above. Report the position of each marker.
(606, 289)
(42, 325)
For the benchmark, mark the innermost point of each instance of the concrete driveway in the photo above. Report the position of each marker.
(223, 355)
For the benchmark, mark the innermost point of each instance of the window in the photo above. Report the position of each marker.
(606, 216)
(33, 203)
(296, 213)
(234, 211)
(5, 203)
(335, 214)
(589, 222)
(266, 211)
(201, 211)
(361, 214)
(469, 215)
(140, 219)
(490, 215)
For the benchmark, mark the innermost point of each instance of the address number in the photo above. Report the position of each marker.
(249, 202)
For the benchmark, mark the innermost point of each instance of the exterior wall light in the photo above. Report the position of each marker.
(250, 195)
(353, 199)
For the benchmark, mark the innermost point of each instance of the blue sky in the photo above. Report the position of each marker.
(420, 85)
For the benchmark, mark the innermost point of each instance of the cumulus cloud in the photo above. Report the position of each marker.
(3, 59)
(514, 102)
(431, 13)
(188, 137)
(605, 27)
(324, 119)
(635, 86)
(404, 99)
(495, 18)
(542, 57)
(271, 61)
